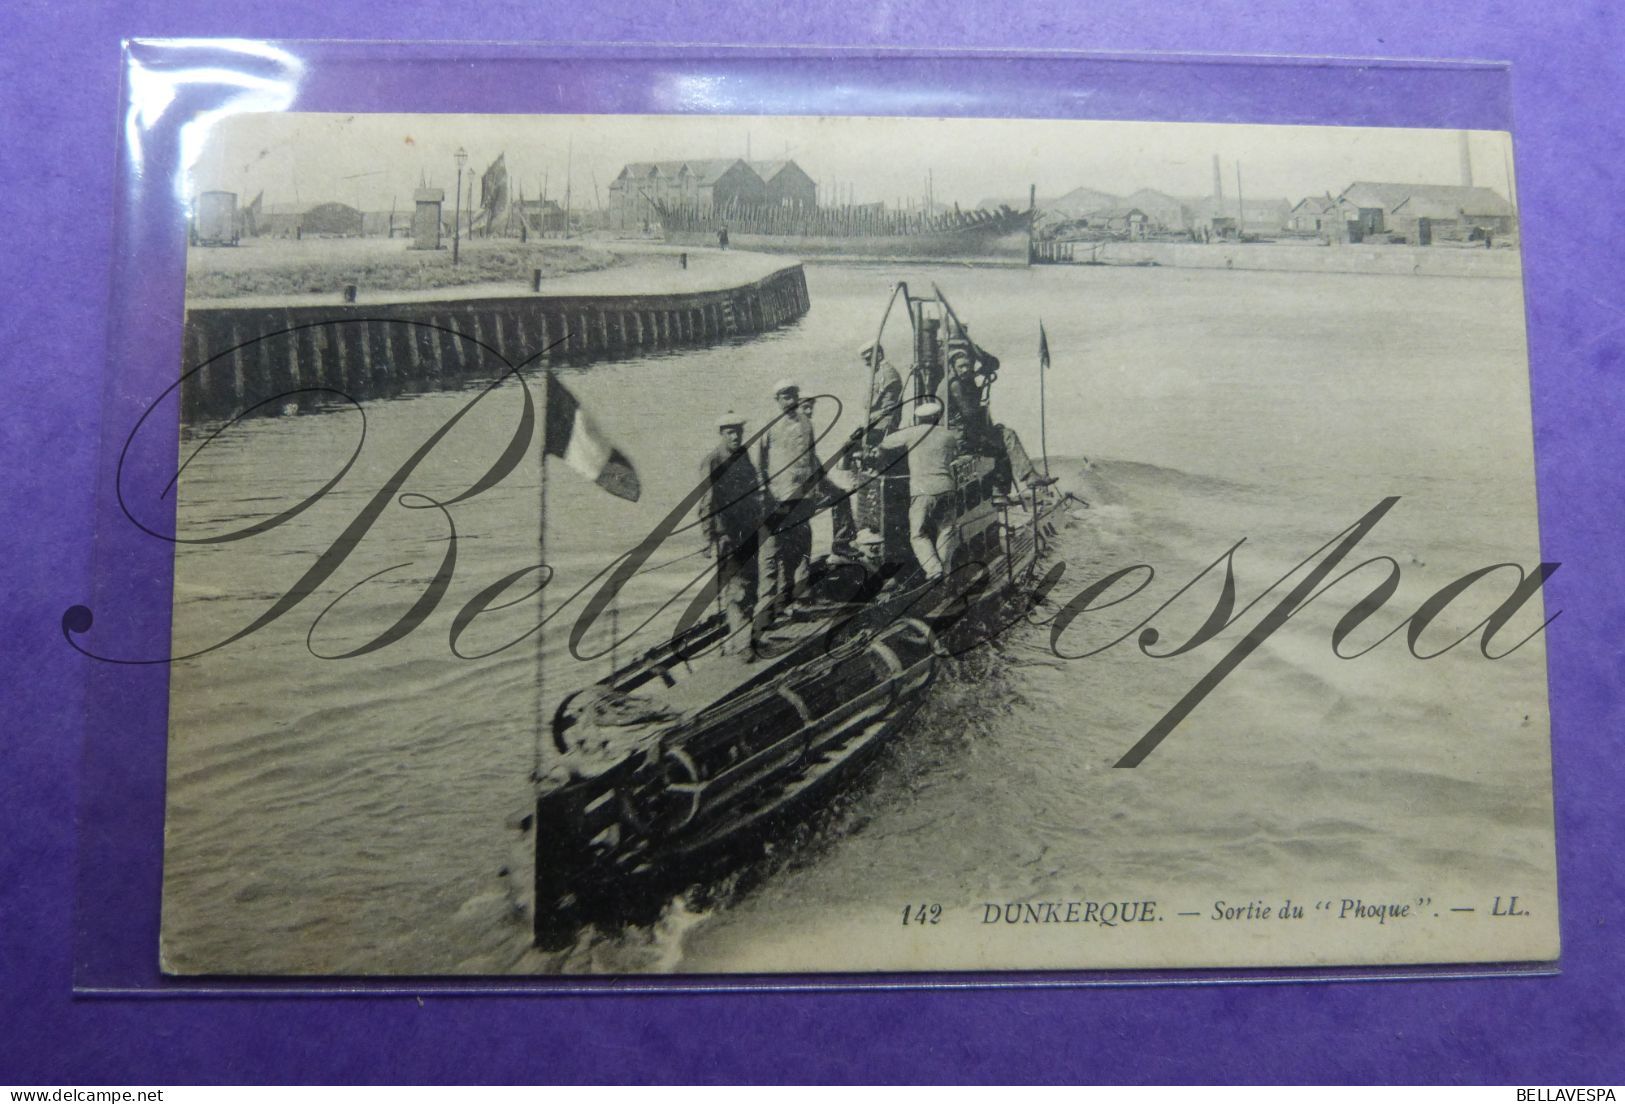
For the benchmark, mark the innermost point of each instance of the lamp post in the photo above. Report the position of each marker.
(457, 219)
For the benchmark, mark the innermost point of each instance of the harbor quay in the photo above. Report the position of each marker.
(253, 352)
(1297, 256)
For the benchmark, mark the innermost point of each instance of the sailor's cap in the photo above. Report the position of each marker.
(930, 408)
(868, 348)
(729, 419)
(786, 385)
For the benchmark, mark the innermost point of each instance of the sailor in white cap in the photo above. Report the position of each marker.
(730, 514)
(885, 389)
(932, 446)
(791, 473)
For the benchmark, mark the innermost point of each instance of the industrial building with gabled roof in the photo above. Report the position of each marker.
(709, 183)
(1163, 211)
(1419, 212)
(1325, 215)
(786, 183)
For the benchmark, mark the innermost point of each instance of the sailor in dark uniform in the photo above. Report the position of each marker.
(970, 368)
(731, 514)
(962, 390)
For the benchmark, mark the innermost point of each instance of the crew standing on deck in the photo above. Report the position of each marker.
(932, 446)
(790, 472)
(886, 393)
(831, 495)
(963, 391)
(970, 369)
(731, 514)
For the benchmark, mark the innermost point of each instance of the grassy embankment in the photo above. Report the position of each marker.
(265, 267)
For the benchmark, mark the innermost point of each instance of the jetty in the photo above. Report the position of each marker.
(259, 351)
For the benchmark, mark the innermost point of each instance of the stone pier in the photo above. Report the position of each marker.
(255, 354)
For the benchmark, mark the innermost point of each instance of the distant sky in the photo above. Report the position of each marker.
(370, 160)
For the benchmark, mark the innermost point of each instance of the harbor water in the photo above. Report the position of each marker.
(355, 814)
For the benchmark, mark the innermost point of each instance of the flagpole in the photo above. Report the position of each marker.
(570, 435)
(541, 558)
(1043, 421)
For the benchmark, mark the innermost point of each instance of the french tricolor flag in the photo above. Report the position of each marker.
(571, 435)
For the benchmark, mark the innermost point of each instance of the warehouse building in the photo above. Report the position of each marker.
(1434, 211)
(295, 220)
(1333, 218)
(704, 185)
(784, 184)
(1162, 211)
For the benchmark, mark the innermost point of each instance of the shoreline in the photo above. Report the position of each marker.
(1382, 260)
(632, 270)
(262, 268)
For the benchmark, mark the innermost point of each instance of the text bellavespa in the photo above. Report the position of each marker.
(1110, 590)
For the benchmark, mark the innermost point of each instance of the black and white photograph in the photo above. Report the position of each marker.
(829, 545)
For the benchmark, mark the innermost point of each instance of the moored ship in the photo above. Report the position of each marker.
(857, 233)
(686, 760)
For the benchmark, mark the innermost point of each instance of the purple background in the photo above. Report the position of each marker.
(60, 106)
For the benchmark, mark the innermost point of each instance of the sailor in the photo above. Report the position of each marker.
(1012, 466)
(731, 515)
(790, 473)
(832, 496)
(969, 369)
(962, 390)
(932, 446)
(886, 394)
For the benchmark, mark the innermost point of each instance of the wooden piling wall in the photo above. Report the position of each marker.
(243, 357)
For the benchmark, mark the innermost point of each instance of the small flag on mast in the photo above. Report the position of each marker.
(571, 435)
(1043, 420)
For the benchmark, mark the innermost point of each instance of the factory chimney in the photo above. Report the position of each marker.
(1218, 184)
(1466, 160)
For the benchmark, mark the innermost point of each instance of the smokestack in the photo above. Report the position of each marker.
(1466, 160)
(1241, 207)
(1218, 183)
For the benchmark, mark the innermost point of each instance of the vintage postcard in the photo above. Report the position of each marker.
(751, 545)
